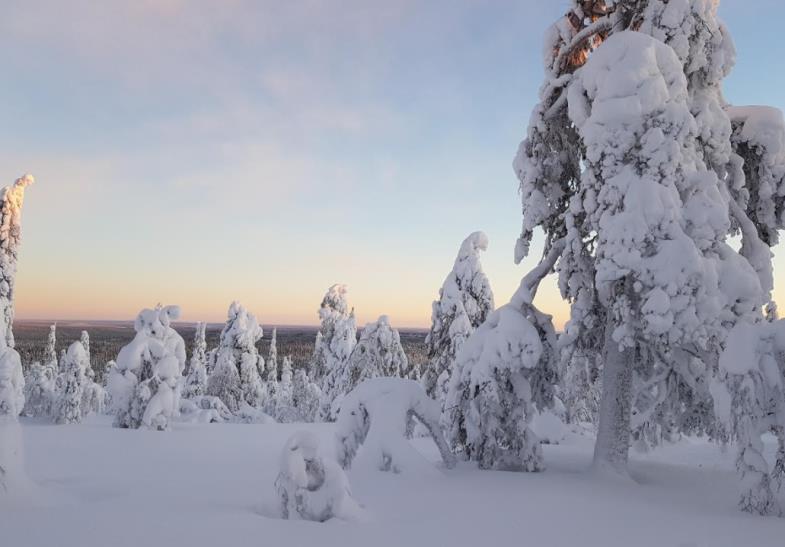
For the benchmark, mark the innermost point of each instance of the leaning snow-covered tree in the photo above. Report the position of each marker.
(375, 418)
(143, 384)
(629, 164)
(68, 408)
(235, 376)
(465, 300)
(196, 381)
(503, 374)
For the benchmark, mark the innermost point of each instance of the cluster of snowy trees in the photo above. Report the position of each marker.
(63, 390)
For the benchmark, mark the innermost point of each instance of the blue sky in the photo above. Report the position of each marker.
(196, 152)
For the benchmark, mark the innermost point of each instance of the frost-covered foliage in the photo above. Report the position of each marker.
(310, 486)
(759, 140)
(375, 418)
(196, 381)
(144, 383)
(12, 383)
(305, 397)
(11, 201)
(336, 337)
(465, 300)
(235, 377)
(503, 375)
(750, 401)
(68, 408)
(84, 339)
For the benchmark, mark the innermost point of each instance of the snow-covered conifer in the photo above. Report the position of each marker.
(284, 401)
(50, 352)
(305, 396)
(196, 381)
(143, 384)
(504, 373)
(336, 337)
(11, 201)
(235, 376)
(68, 408)
(271, 386)
(465, 300)
(272, 354)
(39, 390)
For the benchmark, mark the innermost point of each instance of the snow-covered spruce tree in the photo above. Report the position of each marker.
(336, 338)
(143, 384)
(607, 293)
(335, 342)
(39, 391)
(503, 373)
(305, 396)
(272, 354)
(50, 352)
(196, 381)
(749, 396)
(378, 353)
(465, 300)
(235, 376)
(271, 386)
(284, 401)
(68, 409)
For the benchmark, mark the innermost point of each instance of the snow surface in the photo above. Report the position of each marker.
(207, 485)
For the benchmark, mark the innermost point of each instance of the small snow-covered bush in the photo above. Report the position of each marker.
(377, 415)
(749, 399)
(310, 486)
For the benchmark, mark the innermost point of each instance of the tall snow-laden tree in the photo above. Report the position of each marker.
(196, 381)
(336, 337)
(50, 352)
(284, 401)
(272, 354)
(68, 408)
(630, 167)
(271, 386)
(11, 202)
(465, 300)
(12, 400)
(143, 384)
(235, 376)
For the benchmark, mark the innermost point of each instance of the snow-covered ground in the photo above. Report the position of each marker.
(212, 485)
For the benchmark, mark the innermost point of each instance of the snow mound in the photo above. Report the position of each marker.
(311, 487)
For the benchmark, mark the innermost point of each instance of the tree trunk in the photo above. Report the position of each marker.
(613, 434)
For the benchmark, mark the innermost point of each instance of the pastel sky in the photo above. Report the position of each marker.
(197, 152)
